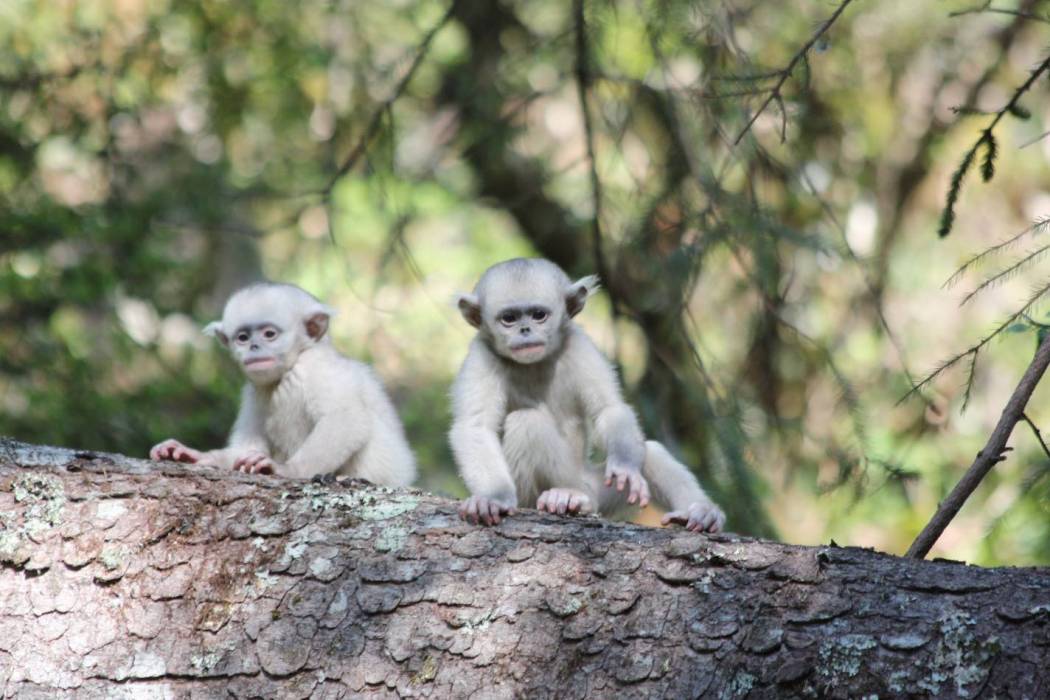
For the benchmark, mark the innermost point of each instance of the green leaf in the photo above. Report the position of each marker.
(1019, 328)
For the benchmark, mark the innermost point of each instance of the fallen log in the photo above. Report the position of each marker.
(122, 577)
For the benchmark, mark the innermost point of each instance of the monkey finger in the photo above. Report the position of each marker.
(494, 512)
(473, 511)
(621, 481)
(563, 502)
(541, 502)
(675, 516)
(643, 492)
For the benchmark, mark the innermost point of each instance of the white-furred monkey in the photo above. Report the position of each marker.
(535, 396)
(306, 409)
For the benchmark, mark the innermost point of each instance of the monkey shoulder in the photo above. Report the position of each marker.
(481, 363)
(581, 358)
(331, 376)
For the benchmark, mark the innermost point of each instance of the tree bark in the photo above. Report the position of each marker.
(122, 577)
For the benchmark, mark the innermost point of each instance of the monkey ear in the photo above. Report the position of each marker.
(470, 307)
(577, 293)
(317, 324)
(214, 329)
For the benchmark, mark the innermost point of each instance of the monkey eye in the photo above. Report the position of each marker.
(508, 318)
(270, 333)
(242, 337)
(540, 315)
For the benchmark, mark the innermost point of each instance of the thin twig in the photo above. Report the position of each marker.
(377, 117)
(1038, 435)
(785, 73)
(1037, 139)
(988, 457)
(987, 8)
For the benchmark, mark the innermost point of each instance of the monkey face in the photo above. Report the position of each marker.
(523, 307)
(526, 333)
(264, 351)
(266, 326)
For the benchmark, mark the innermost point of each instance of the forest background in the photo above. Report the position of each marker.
(760, 185)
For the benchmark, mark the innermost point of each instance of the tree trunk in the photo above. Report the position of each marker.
(125, 577)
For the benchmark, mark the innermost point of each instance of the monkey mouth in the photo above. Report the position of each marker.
(527, 346)
(260, 363)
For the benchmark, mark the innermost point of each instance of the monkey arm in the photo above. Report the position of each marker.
(335, 439)
(482, 465)
(616, 428)
(246, 435)
(479, 402)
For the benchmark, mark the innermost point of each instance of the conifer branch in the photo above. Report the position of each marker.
(1032, 300)
(987, 141)
(1036, 228)
(1009, 272)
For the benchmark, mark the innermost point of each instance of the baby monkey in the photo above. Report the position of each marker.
(534, 397)
(306, 409)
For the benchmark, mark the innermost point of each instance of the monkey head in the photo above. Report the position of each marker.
(522, 307)
(266, 326)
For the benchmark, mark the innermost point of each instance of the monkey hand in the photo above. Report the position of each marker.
(701, 516)
(255, 462)
(629, 479)
(175, 451)
(562, 501)
(479, 509)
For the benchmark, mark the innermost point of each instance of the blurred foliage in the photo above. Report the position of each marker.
(768, 301)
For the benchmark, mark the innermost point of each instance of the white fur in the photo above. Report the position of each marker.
(520, 429)
(318, 412)
(328, 415)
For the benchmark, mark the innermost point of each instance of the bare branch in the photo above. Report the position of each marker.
(992, 453)
(377, 117)
(785, 73)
